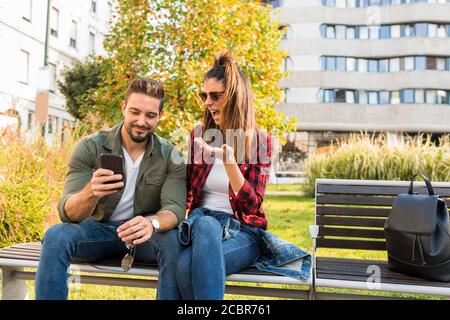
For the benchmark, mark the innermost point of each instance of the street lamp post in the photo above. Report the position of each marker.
(42, 96)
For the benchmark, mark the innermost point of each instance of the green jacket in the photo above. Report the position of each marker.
(160, 185)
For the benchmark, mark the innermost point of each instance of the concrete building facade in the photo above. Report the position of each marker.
(363, 65)
(77, 29)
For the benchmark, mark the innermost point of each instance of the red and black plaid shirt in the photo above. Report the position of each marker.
(247, 203)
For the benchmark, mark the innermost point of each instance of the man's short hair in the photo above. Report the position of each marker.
(149, 87)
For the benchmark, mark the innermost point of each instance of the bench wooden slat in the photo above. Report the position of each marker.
(32, 251)
(355, 200)
(376, 190)
(352, 233)
(357, 212)
(334, 268)
(351, 244)
(351, 222)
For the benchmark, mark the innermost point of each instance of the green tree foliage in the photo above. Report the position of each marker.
(79, 83)
(175, 42)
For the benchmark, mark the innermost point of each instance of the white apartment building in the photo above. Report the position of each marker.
(357, 65)
(77, 29)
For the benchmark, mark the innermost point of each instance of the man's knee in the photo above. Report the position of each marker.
(169, 241)
(60, 234)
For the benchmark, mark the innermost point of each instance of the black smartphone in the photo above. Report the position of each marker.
(114, 163)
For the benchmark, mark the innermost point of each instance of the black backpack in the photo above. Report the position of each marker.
(417, 235)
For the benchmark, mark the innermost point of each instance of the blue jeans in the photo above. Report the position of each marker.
(203, 266)
(89, 241)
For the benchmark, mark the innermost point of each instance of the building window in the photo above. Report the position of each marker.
(30, 120)
(431, 63)
(440, 64)
(441, 31)
(351, 33)
(407, 95)
(287, 95)
(350, 96)
(420, 63)
(351, 64)
(52, 68)
(24, 66)
(91, 43)
(374, 32)
(395, 31)
(363, 98)
(73, 34)
(431, 96)
(328, 96)
(340, 64)
(408, 30)
(363, 3)
(441, 96)
(421, 30)
(373, 97)
(330, 63)
(408, 63)
(288, 64)
(385, 32)
(432, 30)
(363, 32)
(51, 125)
(94, 6)
(395, 97)
(419, 96)
(330, 32)
(54, 22)
(288, 33)
(373, 65)
(110, 12)
(340, 32)
(385, 97)
(383, 65)
(394, 64)
(340, 96)
(362, 65)
(27, 9)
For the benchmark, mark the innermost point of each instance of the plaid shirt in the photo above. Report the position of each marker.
(247, 203)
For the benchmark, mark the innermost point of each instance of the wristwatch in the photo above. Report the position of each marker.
(155, 224)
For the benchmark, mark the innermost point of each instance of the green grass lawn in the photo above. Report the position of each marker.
(289, 217)
(284, 187)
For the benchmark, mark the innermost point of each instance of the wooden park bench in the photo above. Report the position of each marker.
(350, 214)
(19, 263)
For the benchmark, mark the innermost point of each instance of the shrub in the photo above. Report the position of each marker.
(32, 176)
(363, 156)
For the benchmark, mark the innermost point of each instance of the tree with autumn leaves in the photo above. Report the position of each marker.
(175, 41)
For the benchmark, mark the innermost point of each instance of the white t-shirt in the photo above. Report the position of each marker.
(124, 209)
(215, 190)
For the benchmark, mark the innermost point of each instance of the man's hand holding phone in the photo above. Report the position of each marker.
(104, 182)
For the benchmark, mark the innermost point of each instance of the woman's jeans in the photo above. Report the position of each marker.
(89, 241)
(203, 266)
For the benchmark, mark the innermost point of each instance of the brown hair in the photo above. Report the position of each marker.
(237, 111)
(149, 87)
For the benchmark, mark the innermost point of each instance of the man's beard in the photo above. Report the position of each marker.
(139, 139)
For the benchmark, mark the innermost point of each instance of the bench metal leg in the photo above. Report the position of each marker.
(13, 288)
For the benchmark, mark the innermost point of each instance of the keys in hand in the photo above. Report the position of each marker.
(127, 261)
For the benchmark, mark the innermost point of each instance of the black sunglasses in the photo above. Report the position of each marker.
(214, 95)
(127, 261)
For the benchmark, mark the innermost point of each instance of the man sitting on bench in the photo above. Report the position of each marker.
(106, 215)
